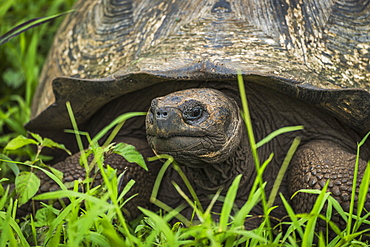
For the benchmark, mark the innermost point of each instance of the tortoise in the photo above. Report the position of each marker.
(303, 63)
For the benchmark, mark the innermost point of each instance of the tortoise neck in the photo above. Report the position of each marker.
(221, 175)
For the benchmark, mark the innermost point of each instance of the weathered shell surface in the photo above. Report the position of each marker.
(318, 50)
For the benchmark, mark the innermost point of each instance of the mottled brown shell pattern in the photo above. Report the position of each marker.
(316, 44)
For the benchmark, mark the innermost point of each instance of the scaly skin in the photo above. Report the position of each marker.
(318, 162)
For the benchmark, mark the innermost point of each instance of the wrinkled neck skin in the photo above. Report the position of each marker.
(207, 180)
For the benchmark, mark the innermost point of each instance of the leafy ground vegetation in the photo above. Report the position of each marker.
(94, 217)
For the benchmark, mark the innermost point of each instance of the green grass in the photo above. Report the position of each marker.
(100, 222)
(22, 58)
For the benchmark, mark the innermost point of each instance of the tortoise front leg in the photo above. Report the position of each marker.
(314, 164)
(72, 170)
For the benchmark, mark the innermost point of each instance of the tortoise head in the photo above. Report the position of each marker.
(196, 126)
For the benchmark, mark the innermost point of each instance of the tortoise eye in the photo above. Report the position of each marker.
(193, 113)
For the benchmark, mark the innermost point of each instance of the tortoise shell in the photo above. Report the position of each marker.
(317, 51)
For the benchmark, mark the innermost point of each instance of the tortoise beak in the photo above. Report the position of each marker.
(162, 121)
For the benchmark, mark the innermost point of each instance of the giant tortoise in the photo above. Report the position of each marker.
(303, 63)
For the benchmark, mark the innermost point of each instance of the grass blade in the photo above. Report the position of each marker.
(253, 146)
(292, 216)
(118, 122)
(282, 171)
(27, 25)
(9, 225)
(188, 186)
(278, 132)
(354, 184)
(240, 216)
(229, 203)
(363, 191)
(161, 226)
(313, 216)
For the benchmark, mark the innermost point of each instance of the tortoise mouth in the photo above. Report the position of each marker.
(185, 149)
(182, 143)
(174, 135)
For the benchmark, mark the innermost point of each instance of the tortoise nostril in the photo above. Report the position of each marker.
(161, 113)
